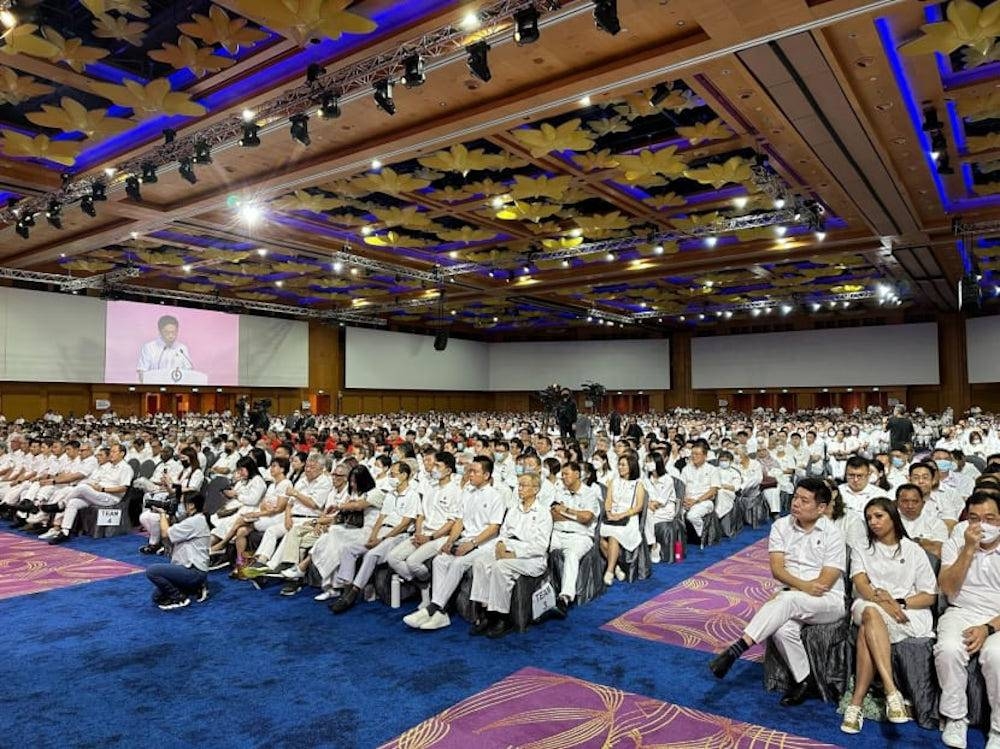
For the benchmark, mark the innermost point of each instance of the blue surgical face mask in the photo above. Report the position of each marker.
(723, 464)
(897, 462)
(943, 465)
(519, 470)
(460, 470)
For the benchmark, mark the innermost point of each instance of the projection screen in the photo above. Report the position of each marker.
(886, 355)
(983, 344)
(385, 360)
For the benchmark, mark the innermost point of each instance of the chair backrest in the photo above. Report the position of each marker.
(679, 489)
(214, 498)
(136, 466)
(146, 468)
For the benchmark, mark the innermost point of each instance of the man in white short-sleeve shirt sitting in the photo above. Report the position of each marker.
(970, 577)
(574, 514)
(921, 524)
(701, 484)
(808, 556)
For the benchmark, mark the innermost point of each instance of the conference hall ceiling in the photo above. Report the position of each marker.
(411, 164)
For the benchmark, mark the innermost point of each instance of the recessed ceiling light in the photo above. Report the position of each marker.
(470, 21)
(376, 164)
(585, 101)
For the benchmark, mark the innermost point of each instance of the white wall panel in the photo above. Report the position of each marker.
(982, 335)
(388, 361)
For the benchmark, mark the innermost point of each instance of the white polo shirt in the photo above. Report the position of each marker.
(980, 591)
(902, 572)
(856, 501)
(527, 533)
(697, 481)
(927, 526)
(481, 507)
(588, 499)
(806, 554)
(397, 506)
(439, 505)
(946, 503)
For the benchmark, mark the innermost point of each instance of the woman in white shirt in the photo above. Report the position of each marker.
(894, 588)
(270, 512)
(602, 469)
(622, 505)
(663, 502)
(244, 496)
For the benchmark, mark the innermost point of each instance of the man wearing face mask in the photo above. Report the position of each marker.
(950, 477)
(970, 578)
(896, 473)
(730, 482)
(225, 464)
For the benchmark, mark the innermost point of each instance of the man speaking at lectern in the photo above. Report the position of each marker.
(165, 351)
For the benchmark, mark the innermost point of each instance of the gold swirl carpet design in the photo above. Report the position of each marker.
(708, 611)
(30, 566)
(535, 709)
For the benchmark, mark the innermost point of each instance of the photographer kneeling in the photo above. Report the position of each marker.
(187, 573)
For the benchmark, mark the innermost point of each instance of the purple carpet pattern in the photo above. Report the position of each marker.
(29, 566)
(535, 709)
(708, 611)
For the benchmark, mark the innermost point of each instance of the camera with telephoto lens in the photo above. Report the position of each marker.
(168, 504)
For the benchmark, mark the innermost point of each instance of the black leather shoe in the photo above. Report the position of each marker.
(500, 629)
(51, 508)
(480, 627)
(60, 539)
(797, 693)
(562, 608)
(721, 664)
(345, 602)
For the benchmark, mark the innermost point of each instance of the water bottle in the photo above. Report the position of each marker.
(678, 551)
(394, 586)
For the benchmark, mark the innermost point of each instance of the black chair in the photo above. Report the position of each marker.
(667, 535)
(146, 469)
(135, 465)
(86, 519)
(214, 498)
(732, 522)
(590, 579)
(831, 657)
(755, 512)
(520, 599)
(711, 533)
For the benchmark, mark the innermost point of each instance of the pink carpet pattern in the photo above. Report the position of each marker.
(708, 611)
(30, 566)
(535, 709)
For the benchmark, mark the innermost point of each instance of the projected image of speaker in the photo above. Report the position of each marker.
(970, 295)
(441, 341)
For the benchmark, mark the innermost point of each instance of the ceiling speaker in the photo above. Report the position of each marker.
(441, 341)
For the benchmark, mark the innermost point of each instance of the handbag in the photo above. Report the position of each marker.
(352, 518)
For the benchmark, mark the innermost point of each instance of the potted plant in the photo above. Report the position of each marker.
(595, 394)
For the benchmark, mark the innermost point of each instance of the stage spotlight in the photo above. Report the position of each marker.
(54, 214)
(329, 108)
(169, 135)
(660, 93)
(22, 230)
(251, 135)
(202, 153)
(148, 175)
(98, 191)
(479, 64)
(939, 146)
(313, 72)
(526, 26)
(28, 219)
(187, 170)
(383, 96)
(606, 16)
(300, 129)
(944, 166)
(931, 121)
(87, 206)
(132, 188)
(413, 71)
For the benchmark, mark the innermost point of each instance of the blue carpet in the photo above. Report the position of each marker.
(97, 666)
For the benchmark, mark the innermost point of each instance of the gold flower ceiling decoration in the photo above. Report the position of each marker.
(977, 108)
(186, 54)
(153, 98)
(462, 160)
(704, 131)
(466, 234)
(608, 126)
(300, 200)
(527, 211)
(22, 40)
(593, 161)
(566, 137)
(389, 182)
(40, 147)
(394, 240)
(218, 28)
(735, 169)
(541, 187)
(668, 200)
(119, 27)
(305, 20)
(73, 51)
(137, 8)
(980, 143)
(408, 217)
(640, 104)
(73, 117)
(649, 163)
(15, 88)
(965, 25)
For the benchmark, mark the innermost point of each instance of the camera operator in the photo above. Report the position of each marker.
(187, 573)
(189, 480)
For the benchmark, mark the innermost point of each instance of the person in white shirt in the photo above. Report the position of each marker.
(165, 351)
(808, 556)
(949, 477)
(970, 578)
(942, 502)
(896, 473)
(521, 549)
(268, 513)
(623, 504)
(894, 590)
(574, 516)
(52, 492)
(663, 504)
(475, 531)
(858, 491)
(105, 489)
(701, 484)
(923, 526)
(165, 473)
(244, 496)
(225, 463)
(439, 506)
(730, 482)
(189, 480)
(399, 510)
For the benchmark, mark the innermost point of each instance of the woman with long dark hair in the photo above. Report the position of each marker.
(622, 505)
(894, 589)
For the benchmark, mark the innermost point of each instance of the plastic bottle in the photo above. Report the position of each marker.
(394, 592)
(678, 551)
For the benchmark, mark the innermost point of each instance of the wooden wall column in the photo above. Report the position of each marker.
(681, 391)
(953, 363)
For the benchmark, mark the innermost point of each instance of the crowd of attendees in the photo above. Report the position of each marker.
(329, 500)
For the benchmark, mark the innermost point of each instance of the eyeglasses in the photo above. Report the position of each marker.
(340, 475)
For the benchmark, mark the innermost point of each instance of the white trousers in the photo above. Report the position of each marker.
(13, 493)
(371, 559)
(325, 553)
(300, 537)
(269, 543)
(773, 499)
(950, 660)
(409, 560)
(449, 570)
(493, 579)
(574, 548)
(150, 521)
(696, 515)
(85, 496)
(782, 618)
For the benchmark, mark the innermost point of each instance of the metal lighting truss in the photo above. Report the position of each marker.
(111, 278)
(440, 47)
(761, 304)
(978, 229)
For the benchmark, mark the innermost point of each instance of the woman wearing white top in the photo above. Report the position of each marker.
(602, 469)
(270, 512)
(837, 454)
(622, 505)
(663, 502)
(894, 588)
(244, 496)
(850, 524)
(190, 480)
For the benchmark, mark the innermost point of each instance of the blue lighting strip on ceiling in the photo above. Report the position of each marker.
(964, 254)
(909, 100)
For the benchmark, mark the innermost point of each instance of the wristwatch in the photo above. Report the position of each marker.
(901, 602)
(990, 629)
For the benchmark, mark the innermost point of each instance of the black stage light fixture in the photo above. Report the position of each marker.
(28, 219)
(329, 108)
(300, 128)
(413, 71)
(202, 153)
(660, 93)
(87, 206)
(186, 170)
(148, 175)
(441, 340)
(944, 166)
(479, 64)
(22, 230)
(606, 16)
(526, 26)
(169, 135)
(313, 72)
(383, 96)
(931, 121)
(970, 294)
(98, 191)
(132, 188)
(54, 214)
(938, 143)
(251, 135)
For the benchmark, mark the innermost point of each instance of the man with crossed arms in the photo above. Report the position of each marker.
(574, 515)
(475, 530)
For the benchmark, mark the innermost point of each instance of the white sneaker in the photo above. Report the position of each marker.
(993, 742)
(955, 733)
(417, 618)
(50, 533)
(608, 579)
(440, 620)
(853, 720)
(292, 573)
(326, 595)
(895, 710)
(620, 574)
(654, 554)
